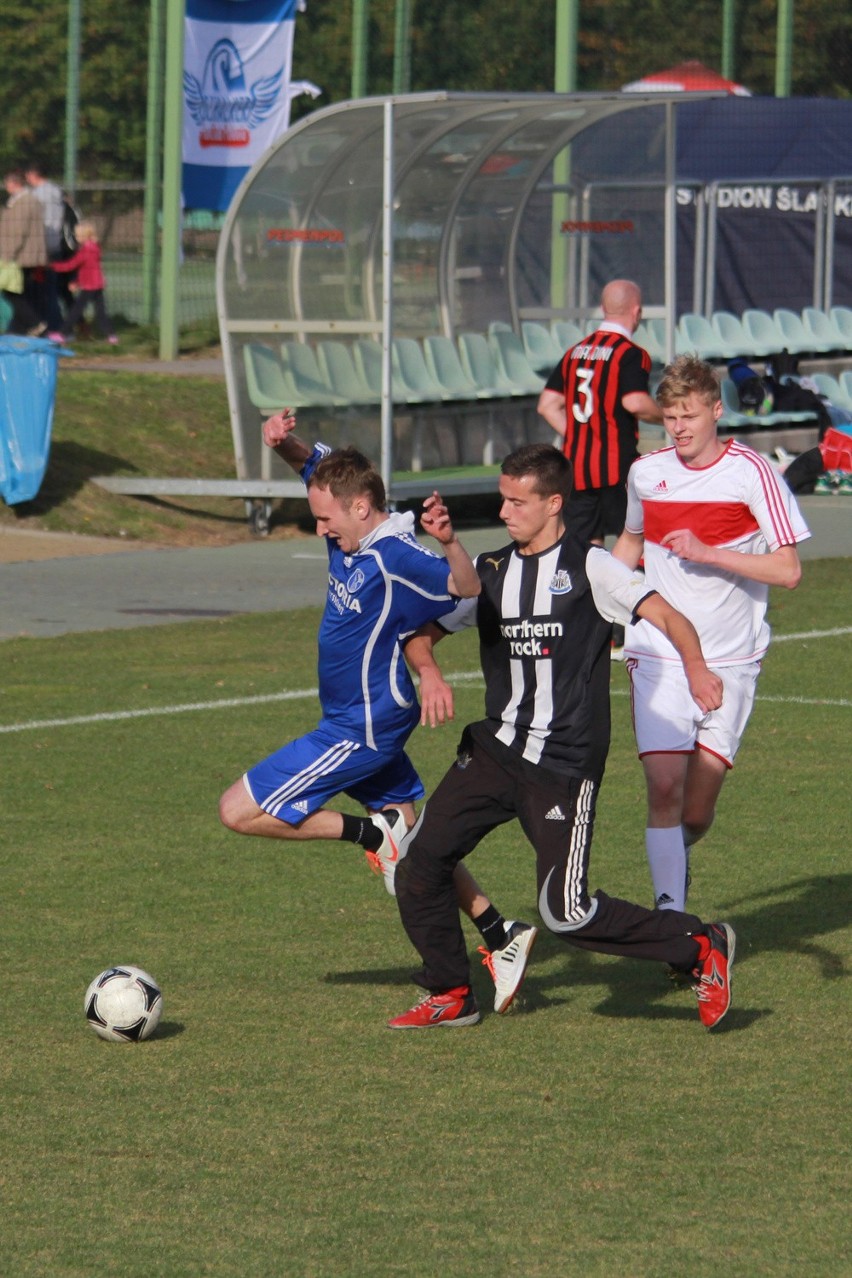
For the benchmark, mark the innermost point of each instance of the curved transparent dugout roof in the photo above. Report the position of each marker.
(490, 208)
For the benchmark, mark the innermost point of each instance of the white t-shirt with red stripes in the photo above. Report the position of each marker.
(740, 502)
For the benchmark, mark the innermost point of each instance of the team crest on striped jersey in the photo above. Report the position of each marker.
(560, 582)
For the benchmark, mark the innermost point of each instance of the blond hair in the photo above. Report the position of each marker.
(85, 231)
(685, 376)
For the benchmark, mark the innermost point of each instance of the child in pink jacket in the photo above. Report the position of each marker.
(90, 284)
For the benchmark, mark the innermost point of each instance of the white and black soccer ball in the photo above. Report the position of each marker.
(123, 1004)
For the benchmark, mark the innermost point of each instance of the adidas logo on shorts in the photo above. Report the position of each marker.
(555, 814)
(301, 806)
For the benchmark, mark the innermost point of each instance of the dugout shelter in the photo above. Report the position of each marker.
(376, 265)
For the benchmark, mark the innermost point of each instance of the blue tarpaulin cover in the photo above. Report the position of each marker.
(27, 389)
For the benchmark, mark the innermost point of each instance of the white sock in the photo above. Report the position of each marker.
(667, 862)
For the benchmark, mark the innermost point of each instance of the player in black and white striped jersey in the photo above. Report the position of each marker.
(544, 615)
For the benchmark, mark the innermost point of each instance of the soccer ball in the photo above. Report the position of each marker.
(123, 1004)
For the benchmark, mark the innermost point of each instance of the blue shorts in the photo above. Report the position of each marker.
(302, 776)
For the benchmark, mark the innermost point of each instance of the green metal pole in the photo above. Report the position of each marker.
(360, 12)
(153, 185)
(784, 49)
(172, 156)
(402, 48)
(728, 29)
(564, 81)
(72, 96)
(567, 25)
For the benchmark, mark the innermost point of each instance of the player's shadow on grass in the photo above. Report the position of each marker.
(786, 919)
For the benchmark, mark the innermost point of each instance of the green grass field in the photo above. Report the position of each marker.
(274, 1126)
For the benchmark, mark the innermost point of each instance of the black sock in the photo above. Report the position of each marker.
(362, 830)
(492, 925)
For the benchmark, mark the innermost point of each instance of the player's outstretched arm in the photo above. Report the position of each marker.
(463, 580)
(278, 435)
(436, 695)
(705, 686)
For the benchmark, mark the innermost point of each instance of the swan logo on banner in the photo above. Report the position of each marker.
(222, 99)
(236, 88)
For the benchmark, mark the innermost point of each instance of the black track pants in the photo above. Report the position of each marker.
(483, 791)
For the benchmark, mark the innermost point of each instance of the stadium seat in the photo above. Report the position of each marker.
(832, 390)
(477, 360)
(410, 364)
(6, 313)
(732, 414)
(798, 338)
(339, 371)
(445, 367)
(695, 334)
(763, 333)
(651, 335)
(731, 331)
(566, 333)
(845, 380)
(540, 345)
(513, 364)
(367, 357)
(269, 388)
(312, 389)
(841, 316)
(823, 328)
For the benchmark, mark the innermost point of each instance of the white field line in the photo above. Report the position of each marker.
(813, 634)
(302, 694)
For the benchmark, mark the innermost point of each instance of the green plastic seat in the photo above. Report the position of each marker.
(269, 387)
(444, 365)
(337, 366)
(513, 364)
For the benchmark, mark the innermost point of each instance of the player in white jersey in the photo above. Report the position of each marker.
(717, 528)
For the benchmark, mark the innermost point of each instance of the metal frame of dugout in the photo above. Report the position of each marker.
(376, 224)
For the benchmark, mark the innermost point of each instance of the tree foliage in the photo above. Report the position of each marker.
(459, 45)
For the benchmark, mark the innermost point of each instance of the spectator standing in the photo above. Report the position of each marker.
(22, 243)
(90, 283)
(594, 399)
(52, 203)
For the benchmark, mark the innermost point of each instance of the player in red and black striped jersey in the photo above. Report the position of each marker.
(593, 400)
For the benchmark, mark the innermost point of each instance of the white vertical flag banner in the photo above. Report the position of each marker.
(236, 90)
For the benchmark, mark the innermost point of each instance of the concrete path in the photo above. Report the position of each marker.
(51, 584)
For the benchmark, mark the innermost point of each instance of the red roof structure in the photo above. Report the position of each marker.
(686, 77)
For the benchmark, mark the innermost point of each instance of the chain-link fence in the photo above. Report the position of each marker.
(117, 210)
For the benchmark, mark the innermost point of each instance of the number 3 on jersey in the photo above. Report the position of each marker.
(584, 405)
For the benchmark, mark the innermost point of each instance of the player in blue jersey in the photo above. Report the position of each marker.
(382, 585)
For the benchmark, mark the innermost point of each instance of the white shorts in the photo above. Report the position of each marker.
(666, 720)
